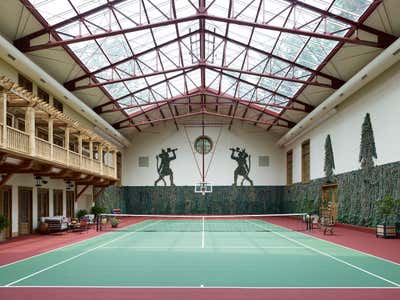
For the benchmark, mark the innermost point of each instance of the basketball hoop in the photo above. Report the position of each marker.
(203, 188)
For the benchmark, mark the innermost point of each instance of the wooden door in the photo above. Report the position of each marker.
(25, 210)
(57, 202)
(70, 204)
(6, 208)
(329, 200)
(43, 203)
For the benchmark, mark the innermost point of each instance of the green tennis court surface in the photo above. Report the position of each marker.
(194, 253)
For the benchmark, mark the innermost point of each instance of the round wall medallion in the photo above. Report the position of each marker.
(203, 144)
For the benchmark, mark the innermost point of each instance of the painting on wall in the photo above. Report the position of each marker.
(163, 166)
(243, 160)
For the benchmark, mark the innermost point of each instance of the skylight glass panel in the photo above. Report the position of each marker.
(140, 41)
(240, 33)
(115, 48)
(84, 5)
(350, 9)
(264, 39)
(54, 11)
(90, 54)
(164, 34)
(130, 12)
(289, 46)
(117, 90)
(265, 56)
(184, 8)
(289, 88)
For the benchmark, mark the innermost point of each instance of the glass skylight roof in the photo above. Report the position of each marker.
(247, 54)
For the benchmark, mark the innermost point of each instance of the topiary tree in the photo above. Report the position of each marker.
(367, 147)
(329, 165)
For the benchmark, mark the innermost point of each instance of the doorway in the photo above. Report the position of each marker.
(25, 210)
(6, 208)
(43, 203)
(70, 204)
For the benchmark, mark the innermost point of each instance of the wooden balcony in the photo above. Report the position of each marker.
(26, 145)
(18, 142)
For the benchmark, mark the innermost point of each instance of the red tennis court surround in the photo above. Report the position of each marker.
(196, 294)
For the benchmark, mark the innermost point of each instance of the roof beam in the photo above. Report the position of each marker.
(383, 37)
(336, 82)
(115, 101)
(204, 113)
(268, 90)
(49, 29)
(295, 31)
(25, 46)
(71, 84)
(222, 96)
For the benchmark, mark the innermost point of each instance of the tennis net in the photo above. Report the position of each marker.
(207, 223)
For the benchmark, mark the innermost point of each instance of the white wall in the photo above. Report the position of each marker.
(380, 98)
(256, 141)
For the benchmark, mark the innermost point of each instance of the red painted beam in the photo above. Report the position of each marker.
(26, 47)
(199, 113)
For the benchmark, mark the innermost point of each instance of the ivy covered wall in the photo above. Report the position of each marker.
(111, 197)
(183, 200)
(358, 192)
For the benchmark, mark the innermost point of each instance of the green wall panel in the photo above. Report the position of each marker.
(183, 200)
(358, 192)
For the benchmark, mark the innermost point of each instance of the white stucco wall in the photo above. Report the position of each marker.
(380, 98)
(256, 141)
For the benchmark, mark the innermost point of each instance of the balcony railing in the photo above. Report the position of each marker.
(59, 154)
(43, 148)
(17, 140)
(74, 159)
(24, 143)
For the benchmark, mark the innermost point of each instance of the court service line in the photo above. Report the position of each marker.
(202, 235)
(76, 256)
(332, 257)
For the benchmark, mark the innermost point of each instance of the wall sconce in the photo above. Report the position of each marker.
(40, 181)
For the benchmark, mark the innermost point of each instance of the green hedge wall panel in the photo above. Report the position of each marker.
(358, 192)
(183, 200)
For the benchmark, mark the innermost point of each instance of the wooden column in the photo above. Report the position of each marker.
(115, 163)
(80, 139)
(66, 142)
(50, 136)
(3, 117)
(30, 128)
(101, 158)
(90, 149)
(91, 154)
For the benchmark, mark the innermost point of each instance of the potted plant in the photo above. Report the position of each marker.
(114, 222)
(81, 213)
(97, 210)
(3, 225)
(385, 210)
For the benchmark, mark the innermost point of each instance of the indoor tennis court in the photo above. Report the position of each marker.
(243, 252)
(199, 149)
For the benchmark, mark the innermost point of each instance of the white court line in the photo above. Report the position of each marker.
(67, 246)
(197, 287)
(189, 247)
(75, 256)
(202, 236)
(331, 256)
